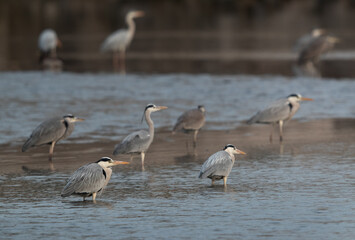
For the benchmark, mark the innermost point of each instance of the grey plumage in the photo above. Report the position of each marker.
(139, 141)
(90, 179)
(191, 120)
(309, 57)
(50, 132)
(219, 165)
(279, 112)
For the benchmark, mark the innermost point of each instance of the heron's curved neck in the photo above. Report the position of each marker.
(131, 26)
(230, 154)
(149, 122)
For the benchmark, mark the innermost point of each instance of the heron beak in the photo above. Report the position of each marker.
(139, 14)
(162, 107)
(240, 152)
(79, 119)
(59, 43)
(306, 99)
(119, 162)
(333, 39)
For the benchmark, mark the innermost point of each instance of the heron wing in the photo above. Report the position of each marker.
(314, 49)
(48, 131)
(117, 41)
(89, 178)
(135, 142)
(192, 119)
(219, 164)
(279, 110)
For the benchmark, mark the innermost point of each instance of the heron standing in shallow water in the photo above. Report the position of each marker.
(279, 112)
(139, 141)
(219, 165)
(191, 120)
(50, 132)
(90, 179)
(118, 41)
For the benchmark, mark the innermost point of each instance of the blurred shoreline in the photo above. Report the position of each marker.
(300, 138)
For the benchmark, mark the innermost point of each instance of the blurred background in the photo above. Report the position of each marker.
(188, 36)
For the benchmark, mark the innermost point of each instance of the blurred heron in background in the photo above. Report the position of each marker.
(279, 112)
(118, 41)
(219, 165)
(50, 132)
(191, 120)
(90, 179)
(309, 55)
(139, 141)
(303, 41)
(48, 42)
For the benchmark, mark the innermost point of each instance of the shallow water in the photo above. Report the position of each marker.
(113, 104)
(306, 195)
(301, 192)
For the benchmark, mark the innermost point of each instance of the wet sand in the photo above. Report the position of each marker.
(299, 137)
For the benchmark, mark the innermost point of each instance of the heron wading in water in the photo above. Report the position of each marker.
(118, 41)
(278, 112)
(50, 132)
(219, 165)
(191, 120)
(90, 179)
(139, 141)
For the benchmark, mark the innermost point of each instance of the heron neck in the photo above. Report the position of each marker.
(131, 26)
(231, 155)
(150, 123)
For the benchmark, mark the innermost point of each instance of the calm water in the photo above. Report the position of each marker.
(303, 194)
(113, 104)
(270, 196)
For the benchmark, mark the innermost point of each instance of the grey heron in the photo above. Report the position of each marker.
(90, 179)
(309, 56)
(50, 132)
(139, 141)
(191, 120)
(118, 41)
(303, 41)
(48, 42)
(219, 165)
(279, 112)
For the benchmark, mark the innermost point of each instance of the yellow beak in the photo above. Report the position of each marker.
(306, 99)
(119, 162)
(240, 152)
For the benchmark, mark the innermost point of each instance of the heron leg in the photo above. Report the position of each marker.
(272, 130)
(51, 149)
(281, 124)
(212, 182)
(195, 138)
(123, 62)
(131, 158)
(142, 156)
(115, 60)
(94, 197)
(225, 181)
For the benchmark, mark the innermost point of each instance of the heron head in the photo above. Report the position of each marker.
(318, 32)
(135, 14)
(298, 98)
(152, 108)
(201, 108)
(72, 118)
(231, 149)
(108, 162)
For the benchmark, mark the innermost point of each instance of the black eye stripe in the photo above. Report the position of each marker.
(68, 116)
